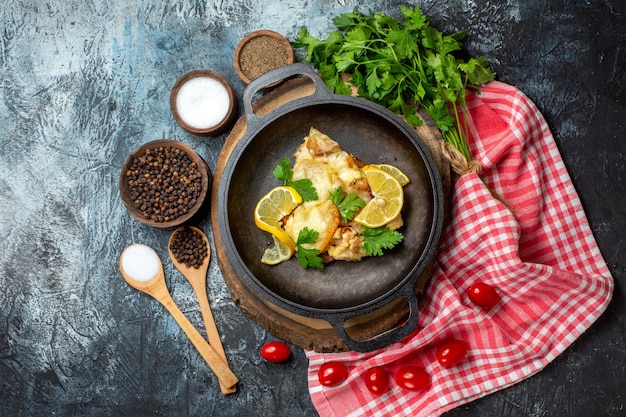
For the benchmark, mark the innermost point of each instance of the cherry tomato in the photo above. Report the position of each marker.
(332, 373)
(452, 353)
(377, 380)
(275, 352)
(483, 295)
(413, 378)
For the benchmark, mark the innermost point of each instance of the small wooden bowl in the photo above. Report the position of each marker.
(210, 88)
(248, 42)
(201, 201)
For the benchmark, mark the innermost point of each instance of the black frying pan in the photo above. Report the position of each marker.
(342, 290)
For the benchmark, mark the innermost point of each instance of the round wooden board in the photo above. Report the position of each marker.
(308, 333)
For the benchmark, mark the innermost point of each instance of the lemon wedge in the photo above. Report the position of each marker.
(402, 178)
(276, 254)
(272, 208)
(388, 198)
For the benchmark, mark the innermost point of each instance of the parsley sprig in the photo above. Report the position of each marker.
(399, 63)
(308, 257)
(375, 240)
(348, 204)
(304, 186)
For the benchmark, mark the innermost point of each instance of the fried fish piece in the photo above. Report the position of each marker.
(317, 145)
(324, 179)
(321, 159)
(322, 217)
(347, 244)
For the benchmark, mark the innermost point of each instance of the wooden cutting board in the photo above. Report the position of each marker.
(308, 333)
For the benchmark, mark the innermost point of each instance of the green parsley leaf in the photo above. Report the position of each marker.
(477, 71)
(348, 205)
(373, 82)
(403, 43)
(347, 20)
(375, 240)
(413, 18)
(344, 61)
(304, 186)
(337, 196)
(283, 171)
(308, 257)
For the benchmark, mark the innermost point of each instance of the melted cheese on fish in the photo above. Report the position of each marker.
(323, 217)
(321, 159)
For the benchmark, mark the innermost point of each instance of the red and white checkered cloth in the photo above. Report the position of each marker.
(541, 257)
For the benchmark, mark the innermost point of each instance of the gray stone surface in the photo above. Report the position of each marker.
(82, 83)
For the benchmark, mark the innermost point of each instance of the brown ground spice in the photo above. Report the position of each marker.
(261, 55)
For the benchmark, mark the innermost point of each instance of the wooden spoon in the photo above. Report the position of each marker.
(197, 279)
(157, 288)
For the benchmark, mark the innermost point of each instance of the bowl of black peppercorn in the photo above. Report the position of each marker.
(165, 184)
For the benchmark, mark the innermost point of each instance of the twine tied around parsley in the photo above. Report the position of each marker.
(459, 163)
(463, 166)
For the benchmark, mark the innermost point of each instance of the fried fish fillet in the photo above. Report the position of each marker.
(322, 160)
(323, 217)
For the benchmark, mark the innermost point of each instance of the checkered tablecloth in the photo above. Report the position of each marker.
(537, 251)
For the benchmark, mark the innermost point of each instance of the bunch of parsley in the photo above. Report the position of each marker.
(398, 64)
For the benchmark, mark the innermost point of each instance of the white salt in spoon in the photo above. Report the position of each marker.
(142, 269)
(197, 279)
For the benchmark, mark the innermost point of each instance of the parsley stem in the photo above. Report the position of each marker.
(461, 140)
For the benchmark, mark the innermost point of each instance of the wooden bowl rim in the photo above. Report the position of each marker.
(205, 182)
(257, 34)
(232, 101)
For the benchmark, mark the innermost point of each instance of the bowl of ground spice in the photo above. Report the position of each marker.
(164, 184)
(260, 52)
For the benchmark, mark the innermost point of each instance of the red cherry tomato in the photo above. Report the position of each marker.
(377, 380)
(483, 295)
(332, 373)
(275, 352)
(452, 353)
(413, 378)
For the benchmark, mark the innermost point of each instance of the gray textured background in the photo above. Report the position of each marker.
(82, 83)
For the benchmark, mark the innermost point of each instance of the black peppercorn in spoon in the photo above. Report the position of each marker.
(189, 250)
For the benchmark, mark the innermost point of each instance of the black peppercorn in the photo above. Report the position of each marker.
(188, 247)
(164, 183)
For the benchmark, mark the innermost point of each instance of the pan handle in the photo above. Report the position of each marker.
(387, 338)
(277, 75)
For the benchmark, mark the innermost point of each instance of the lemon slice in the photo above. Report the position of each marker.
(402, 178)
(387, 202)
(272, 208)
(277, 254)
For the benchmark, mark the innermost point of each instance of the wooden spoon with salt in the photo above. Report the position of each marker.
(156, 287)
(197, 278)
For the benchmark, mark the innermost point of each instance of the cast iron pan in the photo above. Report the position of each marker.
(342, 290)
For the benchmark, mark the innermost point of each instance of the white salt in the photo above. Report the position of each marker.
(202, 102)
(140, 262)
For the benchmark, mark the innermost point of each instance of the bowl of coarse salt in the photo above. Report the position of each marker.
(203, 103)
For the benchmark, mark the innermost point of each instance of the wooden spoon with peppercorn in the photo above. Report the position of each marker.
(189, 250)
(133, 266)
